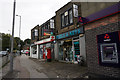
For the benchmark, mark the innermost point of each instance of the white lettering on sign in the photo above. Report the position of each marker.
(107, 40)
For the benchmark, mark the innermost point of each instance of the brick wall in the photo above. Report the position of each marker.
(106, 25)
(103, 22)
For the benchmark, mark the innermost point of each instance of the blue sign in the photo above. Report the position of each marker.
(70, 33)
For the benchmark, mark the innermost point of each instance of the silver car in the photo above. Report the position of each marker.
(3, 53)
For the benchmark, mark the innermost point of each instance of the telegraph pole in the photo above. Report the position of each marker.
(12, 38)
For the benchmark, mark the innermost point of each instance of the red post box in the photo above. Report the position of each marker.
(49, 55)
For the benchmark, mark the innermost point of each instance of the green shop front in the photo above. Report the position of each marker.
(71, 45)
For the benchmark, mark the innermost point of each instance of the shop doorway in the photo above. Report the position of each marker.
(67, 50)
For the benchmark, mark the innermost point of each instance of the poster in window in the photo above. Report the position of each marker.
(36, 32)
(51, 23)
(76, 48)
(75, 10)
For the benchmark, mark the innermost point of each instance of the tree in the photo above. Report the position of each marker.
(27, 41)
(0, 41)
(26, 44)
(6, 42)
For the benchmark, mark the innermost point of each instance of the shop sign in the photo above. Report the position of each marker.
(82, 19)
(52, 38)
(108, 37)
(70, 33)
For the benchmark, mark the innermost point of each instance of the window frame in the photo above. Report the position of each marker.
(63, 20)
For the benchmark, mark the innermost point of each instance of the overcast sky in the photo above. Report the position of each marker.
(33, 12)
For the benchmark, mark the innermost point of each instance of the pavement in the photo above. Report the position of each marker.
(28, 68)
(23, 67)
(57, 69)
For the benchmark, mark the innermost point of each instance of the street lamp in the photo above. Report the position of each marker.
(19, 33)
(12, 38)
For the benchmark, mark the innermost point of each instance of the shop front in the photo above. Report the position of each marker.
(45, 51)
(45, 48)
(70, 45)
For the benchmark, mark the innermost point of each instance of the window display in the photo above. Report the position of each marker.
(65, 50)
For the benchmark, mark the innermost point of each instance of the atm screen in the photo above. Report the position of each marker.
(108, 53)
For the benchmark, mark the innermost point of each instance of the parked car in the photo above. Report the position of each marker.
(3, 53)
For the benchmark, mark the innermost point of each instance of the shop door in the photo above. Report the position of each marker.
(76, 49)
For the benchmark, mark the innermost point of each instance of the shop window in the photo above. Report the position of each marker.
(65, 50)
(76, 48)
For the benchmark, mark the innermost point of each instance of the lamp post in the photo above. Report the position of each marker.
(19, 33)
(12, 38)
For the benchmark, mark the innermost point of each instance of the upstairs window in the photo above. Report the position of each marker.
(62, 20)
(75, 10)
(66, 18)
(33, 35)
(70, 16)
(36, 32)
(42, 31)
(52, 23)
(47, 26)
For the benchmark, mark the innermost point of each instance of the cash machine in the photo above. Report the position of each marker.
(109, 49)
